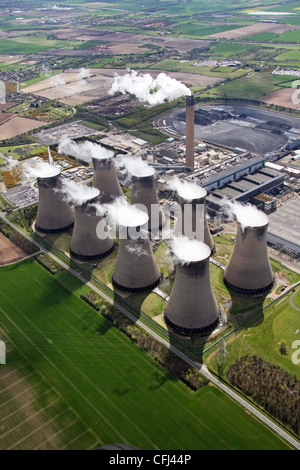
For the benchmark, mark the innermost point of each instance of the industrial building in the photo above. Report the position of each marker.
(192, 307)
(248, 270)
(54, 214)
(136, 269)
(85, 243)
(284, 226)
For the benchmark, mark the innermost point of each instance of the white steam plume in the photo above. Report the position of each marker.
(188, 251)
(120, 212)
(246, 214)
(147, 89)
(135, 166)
(80, 193)
(57, 80)
(84, 151)
(82, 75)
(40, 170)
(186, 189)
(9, 162)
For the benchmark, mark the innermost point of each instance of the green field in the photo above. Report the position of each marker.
(73, 381)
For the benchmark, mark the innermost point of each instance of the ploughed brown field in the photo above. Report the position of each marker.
(9, 252)
(288, 97)
(256, 28)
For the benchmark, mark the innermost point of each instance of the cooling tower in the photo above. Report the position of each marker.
(54, 213)
(192, 307)
(136, 269)
(144, 192)
(105, 179)
(190, 132)
(198, 208)
(249, 270)
(85, 243)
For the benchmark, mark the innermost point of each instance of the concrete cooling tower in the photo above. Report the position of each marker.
(105, 179)
(85, 243)
(190, 132)
(192, 307)
(54, 213)
(136, 269)
(249, 270)
(144, 192)
(197, 202)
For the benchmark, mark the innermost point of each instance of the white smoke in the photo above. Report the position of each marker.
(120, 212)
(135, 166)
(246, 214)
(35, 170)
(9, 162)
(147, 89)
(188, 251)
(80, 193)
(57, 80)
(187, 189)
(82, 75)
(84, 151)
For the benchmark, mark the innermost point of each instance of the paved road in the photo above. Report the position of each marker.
(201, 367)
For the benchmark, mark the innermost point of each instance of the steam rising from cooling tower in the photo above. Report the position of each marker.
(104, 177)
(192, 221)
(85, 244)
(54, 213)
(136, 269)
(147, 89)
(249, 270)
(192, 307)
(144, 190)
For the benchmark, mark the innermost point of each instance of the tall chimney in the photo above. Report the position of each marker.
(192, 307)
(190, 132)
(106, 180)
(85, 243)
(54, 214)
(249, 270)
(136, 269)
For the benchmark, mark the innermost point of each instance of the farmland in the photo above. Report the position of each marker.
(79, 383)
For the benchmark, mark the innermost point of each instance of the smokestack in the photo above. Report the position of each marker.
(106, 180)
(198, 208)
(249, 270)
(192, 307)
(136, 269)
(190, 132)
(85, 244)
(54, 213)
(144, 192)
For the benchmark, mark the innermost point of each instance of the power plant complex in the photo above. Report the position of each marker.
(191, 308)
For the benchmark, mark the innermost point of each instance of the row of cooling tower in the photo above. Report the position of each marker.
(192, 307)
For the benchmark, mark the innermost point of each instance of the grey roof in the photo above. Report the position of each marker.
(285, 222)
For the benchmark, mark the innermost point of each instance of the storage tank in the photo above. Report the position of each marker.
(192, 307)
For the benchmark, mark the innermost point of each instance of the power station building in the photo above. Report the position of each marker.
(248, 270)
(192, 307)
(54, 214)
(90, 239)
(105, 179)
(136, 269)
